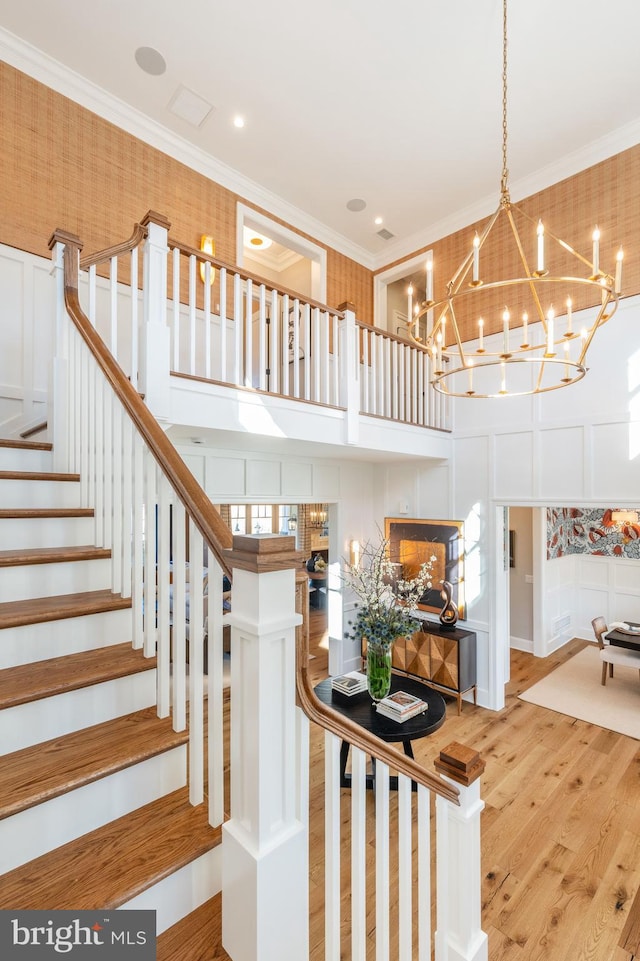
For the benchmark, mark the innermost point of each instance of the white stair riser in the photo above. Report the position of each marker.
(38, 493)
(15, 458)
(51, 717)
(46, 826)
(46, 580)
(183, 891)
(17, 533)
(37, 642)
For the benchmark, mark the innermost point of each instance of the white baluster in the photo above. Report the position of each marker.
(248, 336)
(262, 338)
(196, 686)
(192, 314)
(207, 320)
(150, 542)
(284, 319)
(237, 319)
(424, 874)
(116, 499)
(223, 323)
(127, 506)
(179, 632)
(134, 317)
(215, 699)
(113, 307)
(137, 593)
(163, 589)
(358, 855)
(405, 880)
(383, 897)
(332, 846)
(176, 309)
(274, 344)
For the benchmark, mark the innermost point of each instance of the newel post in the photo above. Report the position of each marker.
(264, 846)
(155, 337)
(349, 339)
(459, 935)
(61, 245)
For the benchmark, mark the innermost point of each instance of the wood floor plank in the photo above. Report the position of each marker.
(630, 937)
(115, 863)
(29, 682)
(47, 770)
(36, 610)
(566, 820)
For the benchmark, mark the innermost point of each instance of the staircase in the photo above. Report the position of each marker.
(94, 808)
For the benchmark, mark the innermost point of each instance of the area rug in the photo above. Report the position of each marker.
(574, 689)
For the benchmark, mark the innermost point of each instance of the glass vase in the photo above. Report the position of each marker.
(378, 670)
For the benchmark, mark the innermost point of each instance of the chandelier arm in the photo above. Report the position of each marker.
(532, 286)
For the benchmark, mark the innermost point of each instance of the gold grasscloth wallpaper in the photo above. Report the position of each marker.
(62, 166)
(607, 194)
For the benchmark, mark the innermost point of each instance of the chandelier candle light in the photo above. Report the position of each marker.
(539, 350)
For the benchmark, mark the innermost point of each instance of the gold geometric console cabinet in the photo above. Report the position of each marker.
(446, 659)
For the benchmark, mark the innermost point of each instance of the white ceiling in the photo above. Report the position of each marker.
(399, 104)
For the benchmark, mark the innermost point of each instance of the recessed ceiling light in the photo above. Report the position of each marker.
(238, 122)
(378, 221)
(150, 60)
(255, 241)
(356, 205)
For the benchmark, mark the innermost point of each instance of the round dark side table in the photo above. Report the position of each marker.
(360, 709)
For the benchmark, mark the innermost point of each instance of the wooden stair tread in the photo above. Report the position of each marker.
(35, 610)
(29, 682)
(109, 866)
(45, 475)
(14, 443)
(47, 770)
(196, 937)
(52, 555)
(25, 513)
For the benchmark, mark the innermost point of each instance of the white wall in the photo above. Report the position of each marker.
(575, 446)
(27, 318)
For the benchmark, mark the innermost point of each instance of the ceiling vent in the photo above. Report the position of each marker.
(385, 234)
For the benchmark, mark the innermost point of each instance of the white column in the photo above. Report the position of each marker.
(57, 414)
(349, 347)
(155, 339)
(459, 935)
(264, 848)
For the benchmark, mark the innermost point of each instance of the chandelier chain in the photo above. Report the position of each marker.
(504, 190)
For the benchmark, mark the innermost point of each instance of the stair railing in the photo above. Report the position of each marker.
(153, 516)
(229, 326)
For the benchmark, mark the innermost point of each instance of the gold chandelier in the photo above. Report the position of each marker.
(498, 338)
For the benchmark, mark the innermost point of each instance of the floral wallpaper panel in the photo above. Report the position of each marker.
(587, 530)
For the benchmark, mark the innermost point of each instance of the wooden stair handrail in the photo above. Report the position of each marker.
(197, 504)
(139, 233)
(357, 736)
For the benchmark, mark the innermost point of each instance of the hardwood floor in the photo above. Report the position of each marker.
(560, 828)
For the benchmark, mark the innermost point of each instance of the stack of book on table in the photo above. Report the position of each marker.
(400, 706)
(349, 684)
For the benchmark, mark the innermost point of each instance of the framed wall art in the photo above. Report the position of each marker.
(414, 541)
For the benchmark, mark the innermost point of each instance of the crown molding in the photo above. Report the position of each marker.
(31, 61)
